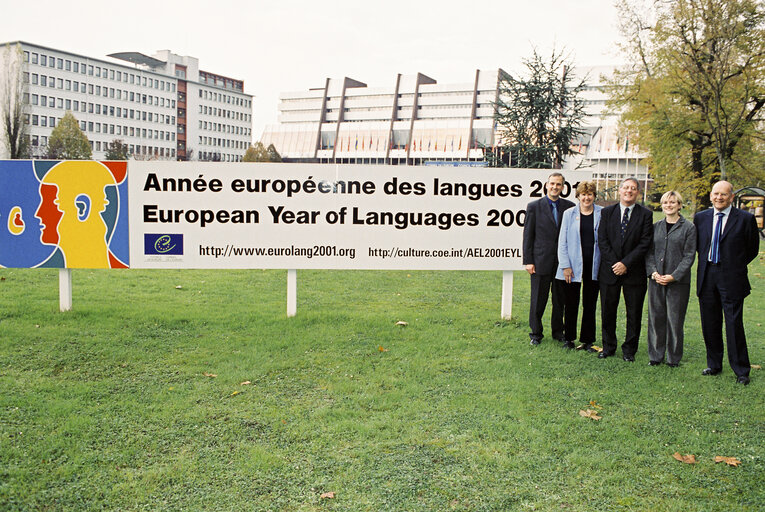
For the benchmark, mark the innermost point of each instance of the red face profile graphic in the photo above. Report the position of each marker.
(49, 214)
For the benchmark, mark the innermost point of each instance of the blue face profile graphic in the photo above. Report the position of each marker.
(20, 244)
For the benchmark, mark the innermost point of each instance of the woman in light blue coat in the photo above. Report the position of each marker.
(578, 264)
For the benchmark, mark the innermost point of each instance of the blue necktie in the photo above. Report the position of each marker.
(555, 212)
(714, 256)
(625, 220)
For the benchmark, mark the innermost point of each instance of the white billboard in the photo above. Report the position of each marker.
(319, 216)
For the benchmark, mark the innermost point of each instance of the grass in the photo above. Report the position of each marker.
(107, 407)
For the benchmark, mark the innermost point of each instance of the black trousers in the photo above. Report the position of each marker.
(634, 296)
(589, 289)
(540, 291)
(714, 303)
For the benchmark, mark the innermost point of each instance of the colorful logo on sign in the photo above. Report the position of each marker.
(70, 214)
(161, 244)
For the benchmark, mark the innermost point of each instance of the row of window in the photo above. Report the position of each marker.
(224, 98)
(226, 143)
(97, 90)
(42, 141)
(228, 114)
(90, 70)
(98, 109)
(224, 128)
(220, 81)
(95, 127)
(210, 155)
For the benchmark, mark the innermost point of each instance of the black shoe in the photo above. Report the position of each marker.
(711, 371)
(742, 379)
(535, 341)
(673, 365)
(569, 345)
(604, 355)
(629, 359)
(656, 363)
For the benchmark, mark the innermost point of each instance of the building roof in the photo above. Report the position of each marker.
(138, 58)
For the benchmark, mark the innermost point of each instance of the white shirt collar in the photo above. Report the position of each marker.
(726, 211)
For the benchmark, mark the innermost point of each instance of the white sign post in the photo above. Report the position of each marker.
(291, 293)
(65, 289)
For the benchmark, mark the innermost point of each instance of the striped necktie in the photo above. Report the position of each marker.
(714, 255)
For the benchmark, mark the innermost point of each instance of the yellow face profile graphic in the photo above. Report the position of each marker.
(72, 216)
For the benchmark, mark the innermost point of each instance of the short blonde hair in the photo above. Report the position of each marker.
(672, 193)
(586, 187)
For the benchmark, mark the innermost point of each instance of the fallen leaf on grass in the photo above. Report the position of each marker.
(179, 287)
(589, 413)
(402, 323)
(211, 375)
(382, 349)
(327, 495)
(599, 349)
(688, 459)
(245, 383)
(731, 461)
(235, 393)
(2, 279)
(756, 367)
(594, 404)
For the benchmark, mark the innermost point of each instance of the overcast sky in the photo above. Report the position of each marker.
(285, 45)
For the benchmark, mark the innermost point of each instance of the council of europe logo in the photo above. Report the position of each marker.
(163, 244)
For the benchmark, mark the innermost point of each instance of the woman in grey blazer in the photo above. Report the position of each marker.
(668, 265)
(578, 264)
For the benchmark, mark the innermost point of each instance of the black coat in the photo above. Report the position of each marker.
(631, 250)
(540, 235)
(739, 245)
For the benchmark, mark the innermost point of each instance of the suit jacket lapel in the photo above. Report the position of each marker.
(705, 233)
(733, 218)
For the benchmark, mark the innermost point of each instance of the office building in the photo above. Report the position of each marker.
(416, 120)
(161, 106)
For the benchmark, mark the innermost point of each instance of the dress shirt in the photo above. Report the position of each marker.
(622, 208)
(726, 214)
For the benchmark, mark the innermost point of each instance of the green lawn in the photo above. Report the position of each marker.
(108, 407)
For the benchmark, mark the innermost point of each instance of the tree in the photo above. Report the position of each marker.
(540, 115)
(694, 89)
(272, 154)
(118, 150)
(67, 142)
(12, 105)
(259, 153)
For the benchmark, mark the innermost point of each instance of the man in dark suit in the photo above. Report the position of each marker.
(540, 256)
(727, 242)
(624, 236)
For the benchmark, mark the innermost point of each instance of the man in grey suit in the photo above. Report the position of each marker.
(727, 242)
(540, 257)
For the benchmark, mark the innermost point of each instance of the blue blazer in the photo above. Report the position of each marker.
(739, 245)
(570, 245)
